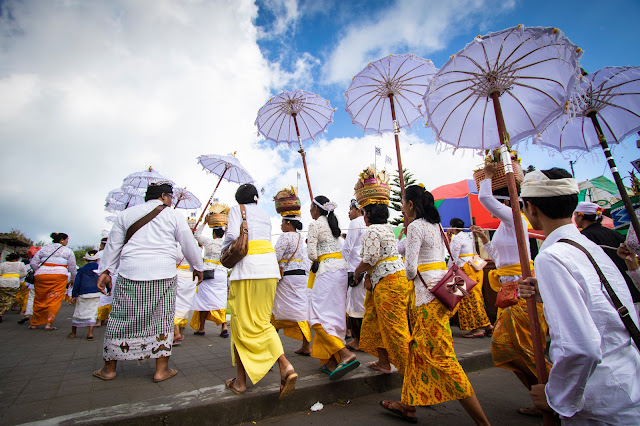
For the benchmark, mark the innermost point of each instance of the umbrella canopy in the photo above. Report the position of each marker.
(294, 116)
(126, 195)
(599, 190)
(144, 178)
(184, 199)
(112, 206)
(531, 70)
(406, 77)
(225, 166)
(111, 218)
(460, 200)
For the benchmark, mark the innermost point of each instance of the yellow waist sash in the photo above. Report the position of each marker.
(386, 259)
(10, 275)
(289, 260)
(466, 255)
(217, 262)
(183, 266)
(312, 275)
(509, 270)
(260, 247)
(432, 266)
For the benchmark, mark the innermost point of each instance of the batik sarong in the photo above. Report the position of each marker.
(49, 290)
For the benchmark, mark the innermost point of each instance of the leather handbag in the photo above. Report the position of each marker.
(239, 248)
(508, 295)
(454, 285)
(290, 257)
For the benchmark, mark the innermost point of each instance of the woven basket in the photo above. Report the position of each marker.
(289, 205)
(373, 194)
(218, 219)
(499, 179)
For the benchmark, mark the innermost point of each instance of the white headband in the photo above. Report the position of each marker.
(536, 185)
(586, 207)
(329, 206)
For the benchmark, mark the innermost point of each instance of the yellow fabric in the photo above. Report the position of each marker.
(103, 312)
(252, 333)
(183, 266)
(217, 262)
(219, 317)
(433, 374)
(180, 322)
(260, 247)
(495, 274)
(22, 297)
(296, 330)
(312, 275)
(432, 266)
(10, 275)
(466, 255)
(287, 260)
(385, 322)
(7, 298)
(324, 344)
(49, 289)
(471, 311)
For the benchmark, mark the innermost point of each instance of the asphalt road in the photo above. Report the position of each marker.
(499, 391)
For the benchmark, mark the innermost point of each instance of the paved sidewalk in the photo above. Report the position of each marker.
(46, 377)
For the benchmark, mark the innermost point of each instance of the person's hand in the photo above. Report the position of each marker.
(529, 288)
(198, 275)
(478, 232)
(539, 398)
(70, 285)
(73, 300)
(628, 256)
(104, 280)
(403, 232)
(490, 170)
(367, 283)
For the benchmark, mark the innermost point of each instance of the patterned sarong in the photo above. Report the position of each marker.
(49, 290)
(7, 298)
(141, 321)
(471, 311)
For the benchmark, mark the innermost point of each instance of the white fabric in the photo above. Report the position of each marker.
(461, 243)
(150, 254)
(424, 245)
(329, 206)
(503, 247)
(292, 299)
(211, 295)
(378, 243)
(185, 293)
(255, 266)
(29, 309)
(321, 241)
(286, 249)
(16, 267)
(353, 243)
(632, 239)
(594, 378)
(537, 184)
(64, 256)
(587, 207)
(328, 306)
(86, 310)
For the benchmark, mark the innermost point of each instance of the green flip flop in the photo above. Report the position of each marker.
(343, 369)
(325, 370)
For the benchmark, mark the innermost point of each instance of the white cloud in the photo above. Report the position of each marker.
(286, 14)
(418, 26)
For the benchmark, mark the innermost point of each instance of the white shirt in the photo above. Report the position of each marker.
(353, 243)
(321, 241)
(379, 242)
(62, 255)
(151, 252)
(461, 243)
(212, 248)
(424, 245)
(594, 378)
(17, 268)
(290, 245)
(255, 266)
(503, 247)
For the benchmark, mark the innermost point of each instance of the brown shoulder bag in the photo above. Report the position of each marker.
(239, 248)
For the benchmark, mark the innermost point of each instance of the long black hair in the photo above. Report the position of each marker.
(331, 217)
(423, 203)
(218, 232)
(377, 214)
(293, 221)
(247, 194)
(58, 236)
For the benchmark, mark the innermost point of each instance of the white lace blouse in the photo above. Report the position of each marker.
(379, 242)
(212, 248)
(286, 246)
(424, 245)
(461, 243)
(321, 241)
(62, 256)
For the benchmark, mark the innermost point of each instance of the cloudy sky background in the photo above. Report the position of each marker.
(93, 91)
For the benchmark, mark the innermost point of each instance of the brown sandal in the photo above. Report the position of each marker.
(288, 385)
(229, 385)
(402, 412)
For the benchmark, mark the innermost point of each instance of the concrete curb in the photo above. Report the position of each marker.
(218, 405)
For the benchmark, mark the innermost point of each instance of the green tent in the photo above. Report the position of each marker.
(600, 190)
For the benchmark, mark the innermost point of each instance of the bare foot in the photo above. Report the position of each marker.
(165, 375)
(231, 385)
(101, 374)
(71, 336)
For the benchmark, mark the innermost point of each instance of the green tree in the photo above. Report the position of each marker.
(79, 253)
(395, 199)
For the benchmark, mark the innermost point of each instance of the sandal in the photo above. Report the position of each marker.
(50, 328)
(199, 333)
(229, 385)
(299, 352)
(472, 335)
(488, 331)
(402, 412)
(90, 338)
(325, 370)
(172, 373)
(374, 366)
(343, 368)
(71, 336)
(288, 385)
(224, 334)
(352, 349)
(23, 320)
(100, 375)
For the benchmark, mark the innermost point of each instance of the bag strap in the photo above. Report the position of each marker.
(296, 249)
(143, 221)
(244, 226)
(45, 261)
(622, 310)
(446, 242)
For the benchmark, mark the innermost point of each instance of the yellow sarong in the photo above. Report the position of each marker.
(296, 330)
(325, 345)
(103, 312)
(22, 296)
(219, 317)
(312, 275)
(252, 333)
(471, 310)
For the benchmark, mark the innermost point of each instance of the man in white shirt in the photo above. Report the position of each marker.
(351, 253)
(594, 378)
(141, 321)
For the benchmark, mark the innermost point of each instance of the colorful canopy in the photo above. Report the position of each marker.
(460, 200)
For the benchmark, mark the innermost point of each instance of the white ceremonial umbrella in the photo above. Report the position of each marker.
(111, 218)
(226, 167)
(144, 178)
(504, 85)
(295, 116)
(386, 96)
(185, 199)
(604, 108)
(126, 195)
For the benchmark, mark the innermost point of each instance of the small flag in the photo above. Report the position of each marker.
(299, 177)
(387, 159)
(262, 190)
(378, 151)
(215, 200)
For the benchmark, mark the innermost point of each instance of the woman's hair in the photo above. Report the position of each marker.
(13, 256)
(331, 217)
(58, 236)
(218, 232)
(247, 194)
(294, 222)
(456, 223)
(592, 217)
(377, 214)
(423, 203)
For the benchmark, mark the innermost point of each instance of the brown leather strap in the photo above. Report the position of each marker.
(622, 310)
(295, 250)
(143, 221)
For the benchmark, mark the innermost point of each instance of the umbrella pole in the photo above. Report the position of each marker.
(396, 131)
(532, 311)
(176, 206)
(210, 198)
(616, 175)
(304, 160)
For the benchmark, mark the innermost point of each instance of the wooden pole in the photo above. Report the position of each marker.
(304, 160)
(532, 311)
(210, 198)
(396, 131)
(616, 175)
